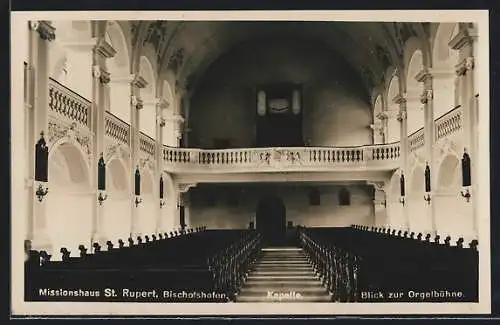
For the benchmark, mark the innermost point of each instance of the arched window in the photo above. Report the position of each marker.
(314, 197)
(344, 197)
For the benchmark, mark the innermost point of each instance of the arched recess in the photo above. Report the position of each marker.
(394, 207)
(378, 129)
(419, 219)
(167, 91)
(119, 69)
(415, 116)
(148, 113)
(70, 201)
(453, 214)
(444, 58)
(70, 56)
(147, 209)
(393, 126)
(168, 212)
(116, 216)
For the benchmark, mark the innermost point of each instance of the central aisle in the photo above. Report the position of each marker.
(282, 275)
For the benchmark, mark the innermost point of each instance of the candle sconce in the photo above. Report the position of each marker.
(427, 176)
(162, 203)
(402, 200)
(427, 198)
(466, 176)
(41, 192)
(137, 201)
(102, 197)
(466, 194)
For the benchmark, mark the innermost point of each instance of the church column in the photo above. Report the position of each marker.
(426, 99)
(41, 33)
(100, 93)
(135, 106)
(160, 124)
(464, 42)
(404, 150)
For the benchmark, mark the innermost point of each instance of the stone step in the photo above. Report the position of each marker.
(282, 262)
(282, 284)
(280, 267)
(295, 299)
(283, 272)
(256, 290)
(281, 277)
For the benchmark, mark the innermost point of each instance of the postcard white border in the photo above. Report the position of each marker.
(20, 307)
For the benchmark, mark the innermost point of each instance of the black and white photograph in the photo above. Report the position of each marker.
(217, 163)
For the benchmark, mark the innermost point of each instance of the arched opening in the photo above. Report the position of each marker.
(168, 131)
(393, 128)
(415, 112)
(119, 68)
(378, 126)
(449, 174)
(69, 63)
(395, 208)
(117, 207)
(271, 220)
(148, 113)
(70, 202)
(344, 197)
(453, 213)
(147, 209)
(444, 59)
(417, 214)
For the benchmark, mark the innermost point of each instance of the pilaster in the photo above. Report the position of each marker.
(41, 33)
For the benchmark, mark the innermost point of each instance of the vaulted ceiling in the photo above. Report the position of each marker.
(188, 48)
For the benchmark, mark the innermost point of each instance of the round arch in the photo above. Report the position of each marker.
(415, 117)
(444, 59)
(393, 130)
(416, 187)
(70, 200)
(119, 68)
(148, 113)
(449, 173)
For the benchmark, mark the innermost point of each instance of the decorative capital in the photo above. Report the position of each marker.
(465, 65)
(469, 63)
(423, 75)
(44, 29)
(402, 115)
(378, 186)
(105, 77)
(138, 81)
(96, 71)
(104, 49)
(400, 98)
(162, 103)
(184, 187)
(382, 115)
(160, 120)
(426, 96)
(460, 40)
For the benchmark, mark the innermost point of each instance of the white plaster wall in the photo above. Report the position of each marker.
(69, 220)
(298, 210)
(116, 218)
(334, 111)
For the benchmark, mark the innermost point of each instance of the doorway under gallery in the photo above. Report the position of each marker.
(271, 220)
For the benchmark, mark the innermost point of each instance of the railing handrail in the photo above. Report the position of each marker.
(167, 147)
(117, 118)
(447, 113)
(415, 132)
(146, 136)
(89, 102)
